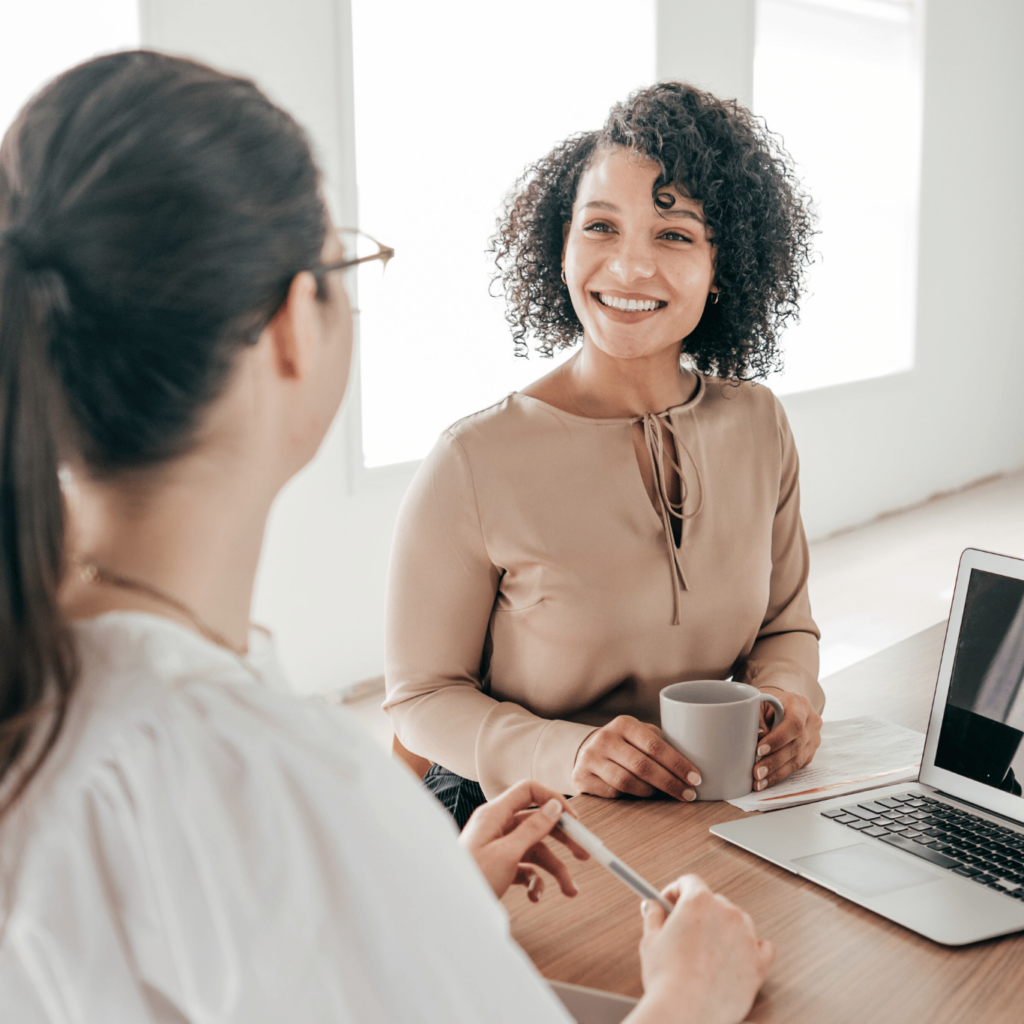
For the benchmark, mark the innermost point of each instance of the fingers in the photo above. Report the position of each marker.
(523, 795)
(684, 886)
(787, 731)
(531, 829)
(663, 766)
(790, 745)
(780, 765)
(593, 785)
(549, 861)
(765, 955)
(534, 882)
(631, 757)
(654, 918)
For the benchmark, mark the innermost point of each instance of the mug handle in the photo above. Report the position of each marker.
(780, 711)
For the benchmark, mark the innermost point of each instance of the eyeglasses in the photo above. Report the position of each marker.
(360, 248)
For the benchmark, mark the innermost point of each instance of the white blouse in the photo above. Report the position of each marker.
(202, 847)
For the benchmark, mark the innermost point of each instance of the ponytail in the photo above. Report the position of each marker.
(37, 670)
(153, 212)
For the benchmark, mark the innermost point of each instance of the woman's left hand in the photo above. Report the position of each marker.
(506, 839)
(790, 744)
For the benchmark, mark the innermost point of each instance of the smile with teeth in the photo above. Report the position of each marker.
(629, 305)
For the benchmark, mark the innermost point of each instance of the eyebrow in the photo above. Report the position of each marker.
(600, 204)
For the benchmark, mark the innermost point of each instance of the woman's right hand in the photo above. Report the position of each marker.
(628, 756)
(701, 963)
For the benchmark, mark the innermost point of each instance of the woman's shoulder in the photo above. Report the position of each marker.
(152, 697)
(226, 844)
(744, 400)
(515, 412)
(506, 434)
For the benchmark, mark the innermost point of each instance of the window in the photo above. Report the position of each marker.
(840, 81)
(452, 100)
(45, 37)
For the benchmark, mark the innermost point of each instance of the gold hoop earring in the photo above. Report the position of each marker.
(566, 283)
(714, 298)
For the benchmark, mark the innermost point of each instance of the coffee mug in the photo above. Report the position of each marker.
(714, 724)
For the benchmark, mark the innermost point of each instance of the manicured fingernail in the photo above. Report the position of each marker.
(533, 884)
(761, 772)
(552, 809)
(644, 907)
(693, 778)
(760, 785)
(688, 794)
(762, 750)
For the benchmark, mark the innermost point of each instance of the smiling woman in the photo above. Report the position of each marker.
(632, 518)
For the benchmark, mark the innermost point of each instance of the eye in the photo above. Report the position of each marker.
(598, 227)
(675, 236)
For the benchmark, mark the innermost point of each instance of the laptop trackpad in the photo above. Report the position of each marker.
(864, 870)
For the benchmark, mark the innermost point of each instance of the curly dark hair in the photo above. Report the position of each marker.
(714, 151)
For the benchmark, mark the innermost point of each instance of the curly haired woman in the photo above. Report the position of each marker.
(632, 518)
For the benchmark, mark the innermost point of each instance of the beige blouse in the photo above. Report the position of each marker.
(536, 592)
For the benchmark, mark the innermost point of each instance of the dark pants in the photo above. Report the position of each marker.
(460, 797)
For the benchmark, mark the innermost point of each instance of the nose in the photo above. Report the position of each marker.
(633, 260)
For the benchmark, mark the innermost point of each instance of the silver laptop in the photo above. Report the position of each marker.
(943, 856)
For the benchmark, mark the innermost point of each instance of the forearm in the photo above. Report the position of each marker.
(441, 724)
(495, 743)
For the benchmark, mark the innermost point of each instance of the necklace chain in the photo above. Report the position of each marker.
(90, 572)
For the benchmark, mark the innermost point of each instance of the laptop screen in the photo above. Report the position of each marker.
(983, 721)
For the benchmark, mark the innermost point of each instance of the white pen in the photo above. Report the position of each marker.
(582, 835)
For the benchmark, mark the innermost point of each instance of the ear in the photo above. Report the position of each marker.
(292, 331)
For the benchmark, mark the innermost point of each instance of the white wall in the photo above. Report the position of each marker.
(878, 445)
(866, 448)
(957, 416)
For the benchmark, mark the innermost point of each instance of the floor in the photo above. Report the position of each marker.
(874, 585)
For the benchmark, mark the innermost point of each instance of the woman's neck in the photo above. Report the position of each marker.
(599, 386)
(191, 530)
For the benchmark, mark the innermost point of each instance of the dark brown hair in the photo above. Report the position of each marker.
(712, 150)
(153, 212)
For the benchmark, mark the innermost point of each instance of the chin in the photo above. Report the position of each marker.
(626, 351)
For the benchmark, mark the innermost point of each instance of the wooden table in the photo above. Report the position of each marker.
(836, 962)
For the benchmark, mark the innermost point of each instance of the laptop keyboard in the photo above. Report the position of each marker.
(944, 835)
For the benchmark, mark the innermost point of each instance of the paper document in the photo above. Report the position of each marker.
(855, 754)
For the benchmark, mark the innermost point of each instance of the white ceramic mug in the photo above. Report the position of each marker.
(714, 725)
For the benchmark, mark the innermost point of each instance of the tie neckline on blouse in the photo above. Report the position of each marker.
(669, 509)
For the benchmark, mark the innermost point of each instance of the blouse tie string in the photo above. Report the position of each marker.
(658, 455)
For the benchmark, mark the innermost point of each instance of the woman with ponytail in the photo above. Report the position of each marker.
(180, 839)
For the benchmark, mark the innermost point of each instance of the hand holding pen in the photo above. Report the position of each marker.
(506, 839)
(700, 956)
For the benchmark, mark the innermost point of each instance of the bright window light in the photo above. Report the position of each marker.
(840, 81)
(453, 99)
(42, 38)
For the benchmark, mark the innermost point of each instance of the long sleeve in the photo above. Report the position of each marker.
(441, 594)
(786, 651)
